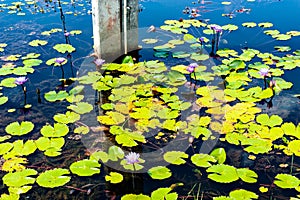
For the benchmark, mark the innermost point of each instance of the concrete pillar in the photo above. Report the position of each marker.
(115, 27)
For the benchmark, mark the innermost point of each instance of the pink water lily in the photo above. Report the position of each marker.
(21, 80)
(132, 158)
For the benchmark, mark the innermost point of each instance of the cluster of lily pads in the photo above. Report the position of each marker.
(147, 106)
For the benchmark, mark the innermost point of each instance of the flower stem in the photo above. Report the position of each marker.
(133, 185)
(24, 91)
(265, 81)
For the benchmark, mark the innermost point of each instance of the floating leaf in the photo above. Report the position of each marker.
(35, 43)
(69, 117)
(265, 24)
(81, 107)
(114, 177)
(175, 157)
(3, 100)
(150, 41)
(14, 164)
(53, 178)
(164, 194)
(111, 118)
(159, 172)
(135, 197)
(63, 48)
(247, 175)
(286, 181)
(52, 96)
(58, 130)
(19, 179)
(32, 62)
(272, 121)
(219, 154)
(8, 82)
(16, 128)
(282, 48)
(230, 27)
(189, 38)
(99, 155)
(249, 24)
(85, 167)
(222, 173)
(202, 160)
(243, 194)
(115, 153)
(294, 147)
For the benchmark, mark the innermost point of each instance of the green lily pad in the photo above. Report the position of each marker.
(16, 128)
(243, 194)
(294, 147)
(21, 149)
(53, 96)
(44, 143)
(115, 153)
(114, 177)
(286, 181)
(5, 147)
(203, 160)
(111, 118)
(249, 24)
(282, 48)
(135, 197)
(32, 62)
(199, 57)
(271, 32)
(272, 121)
(159, 172)
(282, 37)
(19, 179)
(53, 178)
(99, 155)
(247, 175)
(222, 173)
(69, 117)
(85, 167)
(75, 32)
(8, 82)
(58, 130)
(3, 100)
(63, 48)
(81, 107)
(150, 41)
(22, 71)
(219, 154)
(164, 194)
(35, 43)
(189, 38)
(230, 27)
(265, 24)
(291, 129)
(175, 157)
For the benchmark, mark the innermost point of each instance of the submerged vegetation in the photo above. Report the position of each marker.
(148, 129)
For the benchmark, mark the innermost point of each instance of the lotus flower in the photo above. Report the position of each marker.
(132, 158)
(99, 62)
(264, 72)
(21, 80)
(60, 60)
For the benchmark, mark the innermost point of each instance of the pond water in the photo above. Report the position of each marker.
(187, 119)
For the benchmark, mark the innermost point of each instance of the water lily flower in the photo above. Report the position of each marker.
(190, 69)
(132, 158)
(67, 34)
(99, 62)
(216, 28)
(60, 60)
(193, 65)
(264, 72)
(201, 39)
(151, 29)
(21, 80)
(272, 83)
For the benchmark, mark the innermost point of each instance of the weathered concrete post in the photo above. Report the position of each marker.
(115, 27)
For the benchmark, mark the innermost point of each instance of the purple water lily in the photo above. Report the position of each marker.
(264, 72)
(216, 28)
(190, 69)
(201, 39)
(60, 60)
(132, 158)
(67, 34)
(99, 62)
(21, 80)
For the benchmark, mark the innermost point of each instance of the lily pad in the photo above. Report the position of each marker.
(35, 43)
(286, 181)
(85, 167)
(175, 157)
(19, 179)
(16, 128)
(53, 178)
(159, 172)
(203, 160)
(114, 177)
(58, 130)
(222, 173)
(63, 48)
